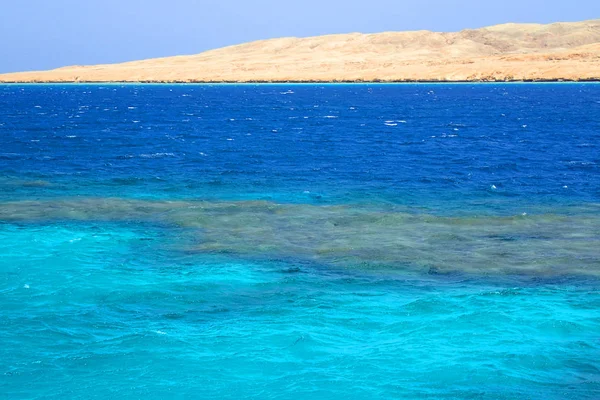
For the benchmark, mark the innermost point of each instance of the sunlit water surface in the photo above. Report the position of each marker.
(300, 241)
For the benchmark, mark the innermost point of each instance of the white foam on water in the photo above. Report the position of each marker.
(71, 136)
(25, 286)
(160, 332)
(157, 155)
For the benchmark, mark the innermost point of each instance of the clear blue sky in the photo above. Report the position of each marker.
(42, 34)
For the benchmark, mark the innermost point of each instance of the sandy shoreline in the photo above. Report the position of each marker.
(502, 53)
(311, 82)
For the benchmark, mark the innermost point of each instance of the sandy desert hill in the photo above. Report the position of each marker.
(508, 52)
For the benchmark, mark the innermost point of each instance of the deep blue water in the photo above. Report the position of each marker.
(300, 241)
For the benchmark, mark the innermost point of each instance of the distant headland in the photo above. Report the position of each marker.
(567, 51)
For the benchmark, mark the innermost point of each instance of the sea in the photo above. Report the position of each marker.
(300, 241)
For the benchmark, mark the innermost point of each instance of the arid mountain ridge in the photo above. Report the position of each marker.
(567, 51)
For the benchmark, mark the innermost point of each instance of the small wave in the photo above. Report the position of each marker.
(9, 155)
(157, 155)
(581, 163)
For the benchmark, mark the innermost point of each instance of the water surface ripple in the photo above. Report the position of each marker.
(300, 241)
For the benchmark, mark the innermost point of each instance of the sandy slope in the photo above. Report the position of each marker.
(567, 51)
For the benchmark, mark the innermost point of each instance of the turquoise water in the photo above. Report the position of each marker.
(347, 255)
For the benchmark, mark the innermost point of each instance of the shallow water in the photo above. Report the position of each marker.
(300, 241)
